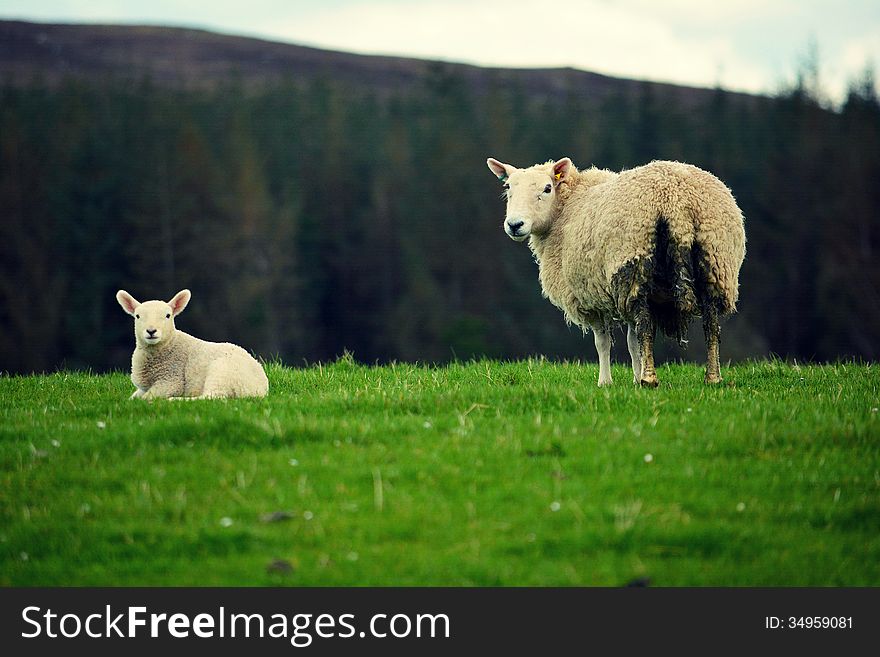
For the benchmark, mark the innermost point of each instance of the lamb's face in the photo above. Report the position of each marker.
(530, 195)
(153, 320)
(153, 323)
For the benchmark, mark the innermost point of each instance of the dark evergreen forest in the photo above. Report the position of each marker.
(313, 218)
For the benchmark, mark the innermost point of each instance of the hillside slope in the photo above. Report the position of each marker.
(199, 59)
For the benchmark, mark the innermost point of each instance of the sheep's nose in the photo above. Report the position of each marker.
(514, 226)
(152, 332)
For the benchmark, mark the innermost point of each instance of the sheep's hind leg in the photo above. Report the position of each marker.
(602, 338)
(632, 344)
(712, 329)
(219, 381)
(646, 329)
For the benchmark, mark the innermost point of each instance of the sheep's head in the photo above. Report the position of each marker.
(153, 320)
(530, 195)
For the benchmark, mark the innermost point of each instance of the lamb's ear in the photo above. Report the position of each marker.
(502, 171)
(179, 301)
(128, 302)
(561, 169)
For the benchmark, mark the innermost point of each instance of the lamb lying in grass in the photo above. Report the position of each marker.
(168, 363)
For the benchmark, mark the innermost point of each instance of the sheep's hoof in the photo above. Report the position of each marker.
(605, 383)
(649, 383)
(713, 379)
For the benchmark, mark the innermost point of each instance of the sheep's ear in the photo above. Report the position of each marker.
(502, 171)
(561, 169)
(128, 302)
(179, 301)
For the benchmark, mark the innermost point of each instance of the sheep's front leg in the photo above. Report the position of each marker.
(646, 328)
(632, 344)
(162, 390)
(603, 348)
(138, 393)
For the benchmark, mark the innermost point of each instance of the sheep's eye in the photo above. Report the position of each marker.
(137, 316)
(547, 189)
(506, 186)
(168, 315)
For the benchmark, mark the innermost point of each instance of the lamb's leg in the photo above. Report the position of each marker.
(602, 337)
(161, 390)
(712, 329)
(646, 329)
(220, 379)
(633, 344)
(138, 393)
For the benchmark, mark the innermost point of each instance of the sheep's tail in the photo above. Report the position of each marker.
(676, 282)
(673, 293)
(664, 282)
(688, 281)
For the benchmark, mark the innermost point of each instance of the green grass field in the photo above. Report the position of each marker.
(481, 473)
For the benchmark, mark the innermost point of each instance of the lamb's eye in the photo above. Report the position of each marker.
(506, 186)
(137, 316)
(168, 315)
(547, 189)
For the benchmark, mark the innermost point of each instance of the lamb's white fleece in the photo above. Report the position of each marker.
(169, 363)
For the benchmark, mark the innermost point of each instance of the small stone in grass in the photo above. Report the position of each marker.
(280, 566)
(352, 556)
(56, 443)
(293, 462)
(101, 424)
(555, 506)
(308, 515)
(741, 507)
(649, 458)
(276, 516)
(225, 521)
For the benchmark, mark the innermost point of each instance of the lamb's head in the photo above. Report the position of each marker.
(153, 320)
(530, 194)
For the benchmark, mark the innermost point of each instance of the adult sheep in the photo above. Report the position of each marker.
(653, 246)
(168, 363)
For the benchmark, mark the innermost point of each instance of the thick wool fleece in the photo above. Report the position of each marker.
(185, 366)
(609, 232)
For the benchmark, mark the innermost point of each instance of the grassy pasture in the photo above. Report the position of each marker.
(478, 473)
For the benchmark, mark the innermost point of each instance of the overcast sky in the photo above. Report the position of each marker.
(751, 45)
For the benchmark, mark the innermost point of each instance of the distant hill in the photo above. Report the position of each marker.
(200, 59)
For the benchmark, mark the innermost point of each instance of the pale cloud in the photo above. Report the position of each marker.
(860, 51)
(607, 37)
(750, 45)
(717, 15)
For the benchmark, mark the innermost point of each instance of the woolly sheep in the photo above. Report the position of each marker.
(168, 363)
(653, 246)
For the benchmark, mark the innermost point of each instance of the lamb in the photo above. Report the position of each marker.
(652, 246)
(168, 363)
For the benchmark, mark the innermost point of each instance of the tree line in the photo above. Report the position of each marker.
(309, 220)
